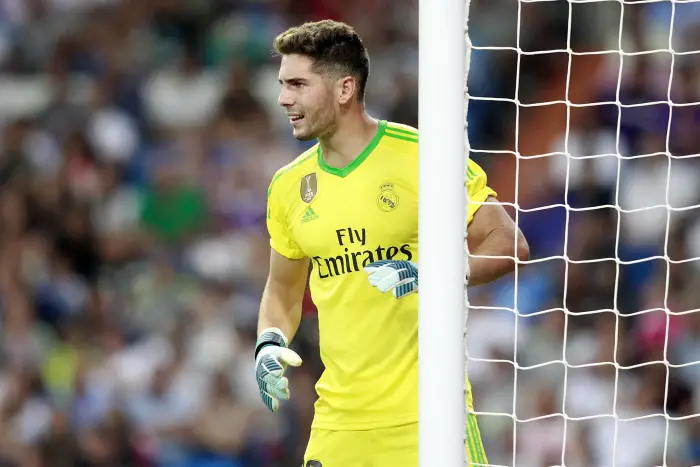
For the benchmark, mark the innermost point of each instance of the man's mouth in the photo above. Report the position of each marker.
(295, 117)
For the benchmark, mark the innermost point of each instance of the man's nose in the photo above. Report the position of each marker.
(285, 99)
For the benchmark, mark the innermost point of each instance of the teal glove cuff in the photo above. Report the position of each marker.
(270, 336)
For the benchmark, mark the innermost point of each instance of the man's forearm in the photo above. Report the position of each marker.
(496, 256)
(280, 309)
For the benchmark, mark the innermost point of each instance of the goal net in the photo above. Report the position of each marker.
(586, 116)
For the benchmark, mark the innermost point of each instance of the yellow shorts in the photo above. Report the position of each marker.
(384, 447)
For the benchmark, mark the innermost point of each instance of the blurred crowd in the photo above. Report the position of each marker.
(137, 141)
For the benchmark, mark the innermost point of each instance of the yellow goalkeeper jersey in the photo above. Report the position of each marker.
(343, 219)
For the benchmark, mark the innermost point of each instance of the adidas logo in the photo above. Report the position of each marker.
(309, 215)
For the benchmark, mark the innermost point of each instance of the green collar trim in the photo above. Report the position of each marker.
(347, 170)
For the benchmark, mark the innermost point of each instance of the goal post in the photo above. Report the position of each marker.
(441, 350)
(643, 151)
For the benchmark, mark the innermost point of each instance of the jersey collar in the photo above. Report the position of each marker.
(347, 170)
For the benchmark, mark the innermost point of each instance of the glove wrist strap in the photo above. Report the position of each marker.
(270, 336)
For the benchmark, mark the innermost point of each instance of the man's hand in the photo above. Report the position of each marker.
(271, 360)
(401, 277)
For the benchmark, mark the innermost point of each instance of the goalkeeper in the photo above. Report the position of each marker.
(348, 207)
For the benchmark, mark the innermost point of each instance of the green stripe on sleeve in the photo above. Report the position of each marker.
(402, 130)
(402, 137)
(279, 174)
(470, 442)
(478, 445)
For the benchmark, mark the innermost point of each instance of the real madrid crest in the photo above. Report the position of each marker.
(308, 187)
(387, 200)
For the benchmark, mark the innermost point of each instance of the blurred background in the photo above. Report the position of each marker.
(137, 141)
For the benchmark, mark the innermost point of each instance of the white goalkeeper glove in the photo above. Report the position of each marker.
(401, 277)
(271, 360)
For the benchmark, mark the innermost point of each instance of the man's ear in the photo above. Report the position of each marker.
(347, 89)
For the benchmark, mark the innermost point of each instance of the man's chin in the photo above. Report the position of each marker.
(304, 136)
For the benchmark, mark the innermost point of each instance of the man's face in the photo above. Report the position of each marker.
(307, 98)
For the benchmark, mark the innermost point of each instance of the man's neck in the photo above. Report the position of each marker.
(350, 138)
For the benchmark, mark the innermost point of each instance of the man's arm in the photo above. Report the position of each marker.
(491, 237)
(280, 314)
(280, 306)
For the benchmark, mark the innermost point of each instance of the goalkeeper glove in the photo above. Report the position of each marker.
(271, 360)
(401, 277)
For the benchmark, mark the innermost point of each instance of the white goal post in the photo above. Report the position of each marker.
(444, 61)
(441, 349)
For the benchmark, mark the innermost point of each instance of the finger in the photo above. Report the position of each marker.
(269, 401)
(407, 273)
(382, 274)
(408, 280)
(389, 281)
(399, 286)
(404, 288)
(289, 357)
(269, 366)
(374, 266)
(271, 381)
(277, 388)
(379, 263)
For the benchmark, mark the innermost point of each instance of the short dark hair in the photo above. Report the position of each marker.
(333, 46)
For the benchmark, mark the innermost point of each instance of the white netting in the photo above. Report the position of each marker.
(590, 356)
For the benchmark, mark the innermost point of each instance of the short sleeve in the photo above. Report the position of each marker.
(281, 239)
(477, 189)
